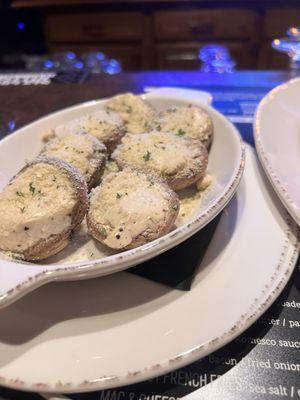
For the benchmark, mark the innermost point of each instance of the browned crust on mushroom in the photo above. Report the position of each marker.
(188, 176)
(115, 138)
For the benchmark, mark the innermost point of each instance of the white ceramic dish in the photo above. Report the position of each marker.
(16, 279)
(120, 329)
(277, 140)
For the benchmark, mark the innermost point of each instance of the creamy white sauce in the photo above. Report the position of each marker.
(83, 247)
(37, 204)
(191, 199)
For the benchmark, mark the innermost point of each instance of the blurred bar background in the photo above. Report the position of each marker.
(142, 35)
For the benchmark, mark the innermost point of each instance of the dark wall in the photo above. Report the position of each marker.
(20, 32)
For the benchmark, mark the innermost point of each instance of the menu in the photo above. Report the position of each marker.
(263, 362)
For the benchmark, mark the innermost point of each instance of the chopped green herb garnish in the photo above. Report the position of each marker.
(22, 209)
(171, 110)
(166, 174)
(147, 156)
(180, 132)
(158, 128)
(119, 195)
(20, 194)
(16, 256)
(103, 232)
(175, 207)
(54, 178)
(31, 188)
(151, 181)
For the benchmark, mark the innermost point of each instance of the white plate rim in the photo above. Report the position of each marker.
(142, 253)
(283, 271)
(278, 186)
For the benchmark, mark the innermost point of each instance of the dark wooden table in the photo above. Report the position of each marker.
(23, 104)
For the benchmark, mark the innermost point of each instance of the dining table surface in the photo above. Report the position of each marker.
(252, 354)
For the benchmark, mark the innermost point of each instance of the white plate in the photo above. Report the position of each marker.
(277, 139)
(88, 258)
(120, 329)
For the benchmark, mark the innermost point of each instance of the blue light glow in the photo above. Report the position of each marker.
(71, 55)
(11, 125)
(112, 67)
(114, 63)
(48, 64)
(20, 25)
(78, 65)
(100, 56)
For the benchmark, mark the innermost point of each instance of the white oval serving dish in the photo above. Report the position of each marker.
(226, 163)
